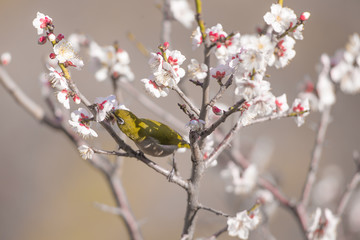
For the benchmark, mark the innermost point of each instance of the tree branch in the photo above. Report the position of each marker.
(316, 156)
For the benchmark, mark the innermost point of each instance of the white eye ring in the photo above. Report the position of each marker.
(120, 121)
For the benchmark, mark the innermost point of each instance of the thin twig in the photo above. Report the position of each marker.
(110, 152)
(216, 212)
(222, 119)
(221, 91)
(109, 209)
(316, 156)
(350, 188)
(186, 100)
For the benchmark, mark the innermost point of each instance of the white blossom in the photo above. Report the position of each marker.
(280, 18)
(182, 12)
(281, 104)
(80, 120)
(323, 229)
(196, 70)
(240, 182)
(284, 51)
(86, 152)
(301, 107)
(325, 88)
(153, 89)
(104, 106)
(5, 58)
(196, 38)
(241, 225)
(41, 22)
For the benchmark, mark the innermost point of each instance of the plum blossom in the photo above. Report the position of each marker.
(110, 62)
(57, 77)
(280, 18)
(261, 44)
(325, 88)
(77, 40)
(104, 106)
(241, 182)
(220, 72)
(64, 96)
(241, 225)
(80, 120)
(281, 104)
(250, 88)
(5, 58)
(301, 108)
(347, 70)
(167, 72)
(86, 152)
(41, 22)
(153, 89)
(196, 38)
(323, 228)
(263, 104)
(196, 70)
(284, 51)
(182, 12)
(66, 54)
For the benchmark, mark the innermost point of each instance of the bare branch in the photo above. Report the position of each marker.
(109, 209)
(316, 156)
(350, 188)
(186, 100)
(218, 213)
(222, 119)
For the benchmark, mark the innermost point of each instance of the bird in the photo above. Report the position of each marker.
(151, 137)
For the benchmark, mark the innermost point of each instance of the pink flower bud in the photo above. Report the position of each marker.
(217, 111)
(60, 37)
(76, 99)
(5, 58)
(52, 55)
(166, 45)
(304, 16)
(42, 40)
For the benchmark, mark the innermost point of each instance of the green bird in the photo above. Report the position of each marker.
(152, 137)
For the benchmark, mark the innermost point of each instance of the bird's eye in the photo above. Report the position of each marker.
(120, 121)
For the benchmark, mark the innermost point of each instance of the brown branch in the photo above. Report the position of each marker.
(350, 188)
(222, 119)
(221, 91)
(102, 164)
(316, 156)
(186, 100)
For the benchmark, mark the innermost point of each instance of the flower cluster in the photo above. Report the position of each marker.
(245, 221)
(110, 62)
(323, 228)
(166, 71)
(241, 182)
(346, 70)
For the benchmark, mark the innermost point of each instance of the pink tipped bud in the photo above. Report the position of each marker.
(304, 16)
(166, 45)
(217, 111)
(52, 55)
(51, 37)
(42, 40)
(5, 58)
(76, 99)
(60, 37)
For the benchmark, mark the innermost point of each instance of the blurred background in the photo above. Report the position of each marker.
(48, 192)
